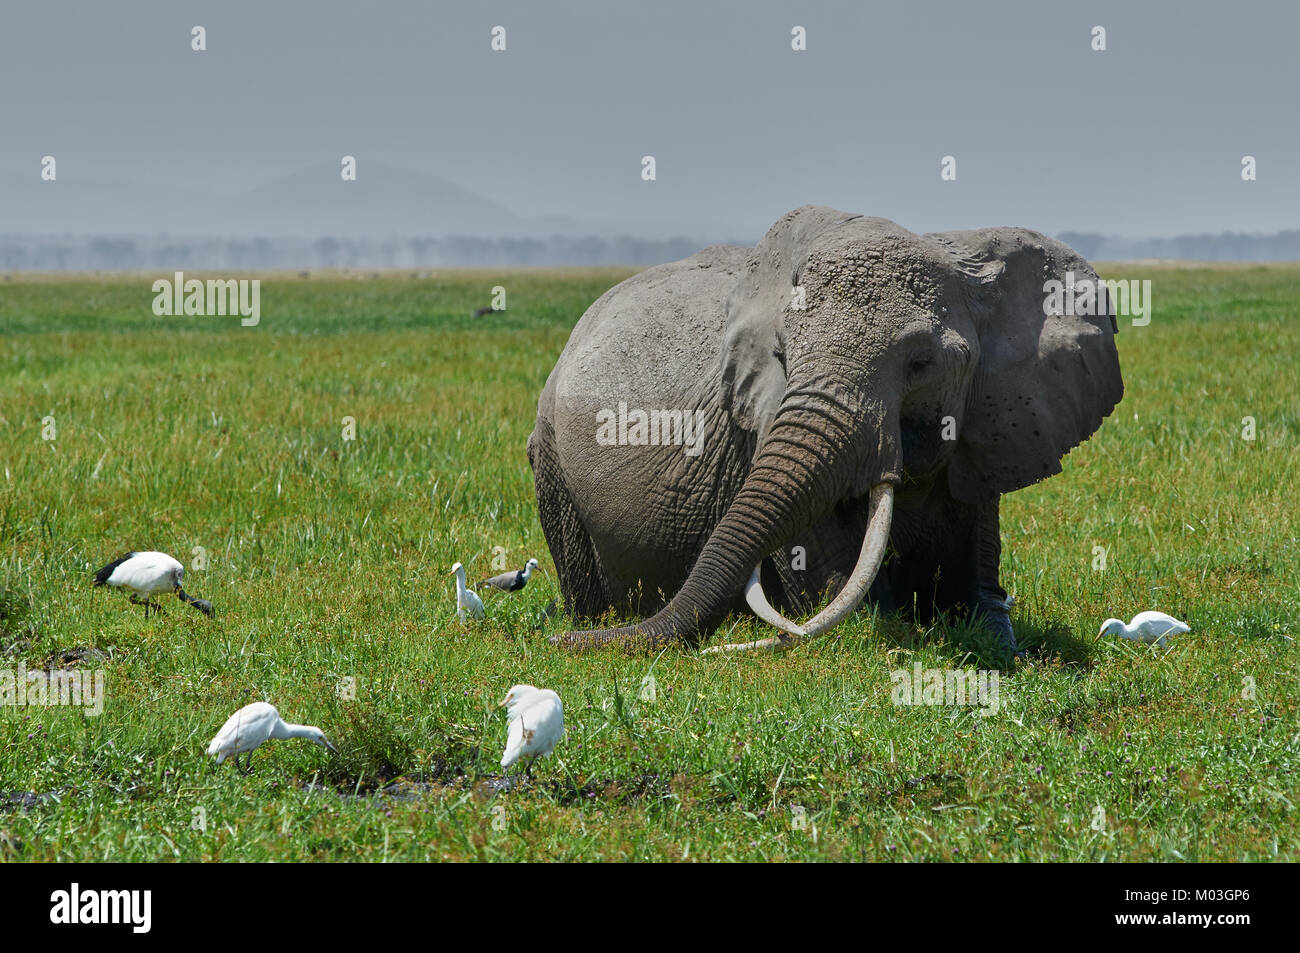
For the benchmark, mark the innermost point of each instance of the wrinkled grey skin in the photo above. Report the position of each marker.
(804, 411)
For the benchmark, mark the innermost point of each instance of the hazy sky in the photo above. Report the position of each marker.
(1143, 139)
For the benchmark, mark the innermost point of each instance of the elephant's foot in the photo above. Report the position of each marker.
(992, 613)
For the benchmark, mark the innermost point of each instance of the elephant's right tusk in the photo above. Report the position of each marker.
(874, 543)
(763, 609)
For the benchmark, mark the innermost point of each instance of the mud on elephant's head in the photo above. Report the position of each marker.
(860, 357)
(930, 349)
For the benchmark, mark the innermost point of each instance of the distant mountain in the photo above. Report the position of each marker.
(383, 201)
(313, 202)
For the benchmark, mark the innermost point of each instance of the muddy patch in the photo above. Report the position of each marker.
(940, 787)
(414, 790)
(74, 657)
(409, 791)
(11, 801)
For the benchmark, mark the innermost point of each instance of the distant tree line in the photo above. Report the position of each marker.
(108, 253)
(1225, 246)
(69, 253)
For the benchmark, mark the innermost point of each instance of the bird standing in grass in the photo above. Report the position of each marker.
(511, 581)
(143, 574)
(1146, 627)
(536, 724)
(254, 724)
(467, 599)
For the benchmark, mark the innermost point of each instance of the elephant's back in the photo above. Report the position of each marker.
(656, 330)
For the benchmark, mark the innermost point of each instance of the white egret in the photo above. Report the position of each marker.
(467, 599)
(254, 724)
(1146, 627)
(143, 574)
(511, 581)
(536, 724)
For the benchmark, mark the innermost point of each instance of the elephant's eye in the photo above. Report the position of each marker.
(918, 362)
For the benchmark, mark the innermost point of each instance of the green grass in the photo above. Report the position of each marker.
(327, 560)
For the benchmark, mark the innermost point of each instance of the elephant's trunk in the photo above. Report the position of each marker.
(798, 475)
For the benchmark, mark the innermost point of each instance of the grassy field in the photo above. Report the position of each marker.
(326, 561)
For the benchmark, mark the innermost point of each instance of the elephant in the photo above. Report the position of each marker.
(833, 413)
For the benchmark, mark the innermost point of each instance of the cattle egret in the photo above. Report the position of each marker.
(536, 724)
(254, 724)
(511, 581)
(1146, 627)
(467, 599)
(143, 574)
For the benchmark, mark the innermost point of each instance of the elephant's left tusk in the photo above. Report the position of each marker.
(874, 543)
(851, 594)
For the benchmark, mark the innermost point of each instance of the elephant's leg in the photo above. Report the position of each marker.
(958, 570)
(576, 564)
(986, 597)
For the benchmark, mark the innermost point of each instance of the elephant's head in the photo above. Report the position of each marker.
(858, 356)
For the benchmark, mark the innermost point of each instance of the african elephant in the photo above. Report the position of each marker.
(856, 392)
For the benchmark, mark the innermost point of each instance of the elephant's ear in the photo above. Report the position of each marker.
(753, 377)
(1047, 374)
